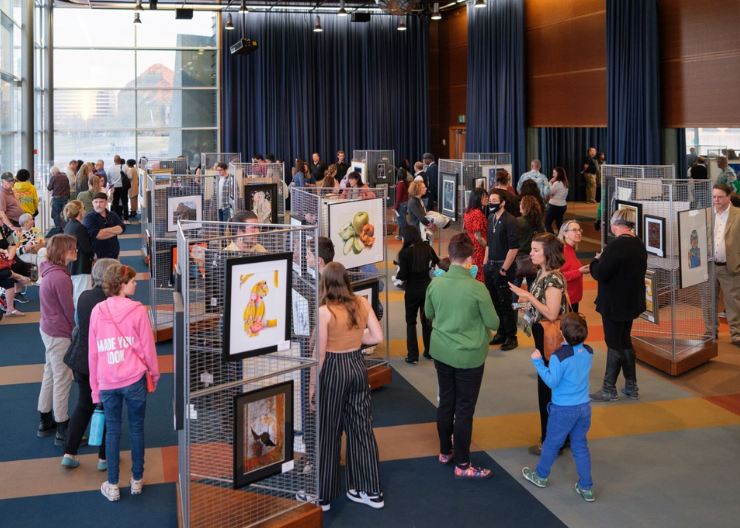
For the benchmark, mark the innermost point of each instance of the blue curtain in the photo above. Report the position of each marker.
(567, 148)
(633, 82)
(495, 99)
(354, 86)
(682, 161)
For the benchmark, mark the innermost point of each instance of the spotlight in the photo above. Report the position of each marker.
(229, 23)
(401, 24)
(138, 6)
(137, 20)
(342, 11)
(243, 7)
(436, 15)
(480, 3)
(317, 28)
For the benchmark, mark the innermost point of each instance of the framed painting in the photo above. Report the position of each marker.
(262, 201)
(651, 298)
(263, 433)
(360, 167)
(257, 305)
(184, 208)
(380, 174)
(480, 183)
(355, 227)
(296, 244)
(466, 200)
(692, 247)
(634, 207)
(447, 202)
(370, 290)
(162, 174)
(654, 230)
(197, 260)
(489, 173)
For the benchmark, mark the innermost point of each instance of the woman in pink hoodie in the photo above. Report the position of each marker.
(121, 351)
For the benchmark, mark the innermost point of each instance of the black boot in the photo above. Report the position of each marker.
(613, 365)
(61, 437)
(46, 425)
(630, 373)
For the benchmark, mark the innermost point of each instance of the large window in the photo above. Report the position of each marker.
(713, 140)
(148, 89)
(10, 85)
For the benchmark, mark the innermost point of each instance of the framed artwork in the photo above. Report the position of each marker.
(197, 257)
(636, 208)
(380, 174)
(361, 167)
(692, 247)
(263, 433)
(467, 198)
(296, 244)
(370, 290)
(352, 228)
(300, 315)
(651, 298)
(480, 183)
(489, 172)
(162, 174)
(447, 201)
(178, 363)
(184, 208)
(262, 200)
(310, 247)
(257, 305)
(654, 230)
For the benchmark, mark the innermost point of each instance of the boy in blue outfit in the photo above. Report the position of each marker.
(570, 409)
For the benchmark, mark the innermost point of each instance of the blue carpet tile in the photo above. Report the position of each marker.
(156, 506)
(21, 345)
(399, 403)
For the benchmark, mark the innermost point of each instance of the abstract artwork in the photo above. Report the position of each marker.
(654, 229)
(651, 298)
(693, 250)
(257, 313)
(262, 201)
(263, 433)
(184, 208)
(447, 198)
(356, 228)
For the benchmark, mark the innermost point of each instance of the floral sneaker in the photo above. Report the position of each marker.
(472, 472)
(446, 459)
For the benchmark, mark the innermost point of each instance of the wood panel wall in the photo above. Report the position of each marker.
(448, 72)
(700, 63)
(565, 43)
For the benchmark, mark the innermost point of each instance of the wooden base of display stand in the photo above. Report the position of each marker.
(378, 376)
(165, 331)
(658, 356)
(201, 496)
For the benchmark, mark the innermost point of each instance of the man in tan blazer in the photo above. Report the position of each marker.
(727, 257)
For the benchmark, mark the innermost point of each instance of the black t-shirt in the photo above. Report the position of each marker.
(406, 265)
(502, 235)
(591, 169)
(317, 170)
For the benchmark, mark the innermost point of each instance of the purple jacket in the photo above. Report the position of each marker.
(57, 301)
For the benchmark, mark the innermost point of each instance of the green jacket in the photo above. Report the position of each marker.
(463, 315)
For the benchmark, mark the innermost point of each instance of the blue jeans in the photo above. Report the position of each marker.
(564, 420)
(403, 208)
(57, 206)
(135, 397)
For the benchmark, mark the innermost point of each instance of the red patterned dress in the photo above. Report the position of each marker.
(475, 220)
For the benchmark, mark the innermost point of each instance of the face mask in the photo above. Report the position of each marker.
(493, 208)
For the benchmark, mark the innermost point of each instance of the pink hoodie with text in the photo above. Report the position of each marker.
(113, 364)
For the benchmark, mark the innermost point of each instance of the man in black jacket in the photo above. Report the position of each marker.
(432, 170)
(317, 167)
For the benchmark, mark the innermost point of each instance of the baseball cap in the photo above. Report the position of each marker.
(100, 196)
(427, 155)
(8, 177)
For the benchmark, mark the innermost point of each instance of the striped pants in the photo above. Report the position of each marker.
(344, 404)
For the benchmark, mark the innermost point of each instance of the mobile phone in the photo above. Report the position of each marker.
(521, 305)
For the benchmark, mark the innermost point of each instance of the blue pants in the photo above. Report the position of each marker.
(135, 397)
(57, 206)
(403, 208)
(564, 420)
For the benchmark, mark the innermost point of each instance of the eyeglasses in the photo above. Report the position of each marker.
(576, 230)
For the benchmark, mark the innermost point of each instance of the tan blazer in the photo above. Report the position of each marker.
(732, 241)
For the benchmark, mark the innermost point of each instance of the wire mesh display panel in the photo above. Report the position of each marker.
(676, 222)
(179, 197)
(210, 385)
(40, 180)
(209, 160)
(259, 177)
(160, 169)
(313, 206)
(381, 167)
(495, 157)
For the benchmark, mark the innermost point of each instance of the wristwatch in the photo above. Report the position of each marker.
(504, 270)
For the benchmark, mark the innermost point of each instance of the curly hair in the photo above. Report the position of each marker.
(532, 211)
(115, 277)
(415, 187)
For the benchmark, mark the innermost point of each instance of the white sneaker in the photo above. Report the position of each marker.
(110, 491)
(137, 486)
(301, 496)
(374, 501)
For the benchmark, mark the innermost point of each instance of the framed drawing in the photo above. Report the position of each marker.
(262, 200)
(257, 305)
(296, 244)
(370, 290)
(263, 433)
(448, 196)
(380, 175)
(466, 199)
(480, 183)
(184, 208)
(634, 207)
(651, 298)
(197, 260)
(692, 247)
(489, 173)
(352, 228)
(162, 174)
(654, 229)
(361, 167)
(311, 270)
(300, 315)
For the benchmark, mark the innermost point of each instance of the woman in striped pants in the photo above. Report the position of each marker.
(345, 392)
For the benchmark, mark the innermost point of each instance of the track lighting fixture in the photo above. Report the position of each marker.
(317, 28)
(480, 3)
(229, 24)
(342, 11)
(401, 24)
(137, 19)
(436, 15)
(138, 6)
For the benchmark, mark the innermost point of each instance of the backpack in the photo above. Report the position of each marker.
(125, 180)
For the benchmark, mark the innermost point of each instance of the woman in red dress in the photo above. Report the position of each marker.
(476, 226)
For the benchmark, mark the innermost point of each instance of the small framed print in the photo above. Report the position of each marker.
(480, 183)
(654, 230)
(184, 208)
(651, 298)
(263, 433)
(370, 290)
(637, 209)
(262, 201)
(449, 194)
(296, 244)
(380, 175)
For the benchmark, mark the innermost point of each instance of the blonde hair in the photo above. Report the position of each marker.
(625, 217)
(72, 209)
(415, 187)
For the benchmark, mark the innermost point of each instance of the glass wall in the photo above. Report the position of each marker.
(148, 89)
(10, 84)
(714, 139)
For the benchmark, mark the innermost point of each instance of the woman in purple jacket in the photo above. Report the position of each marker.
(56, 325)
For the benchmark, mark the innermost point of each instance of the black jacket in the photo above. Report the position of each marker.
(76, 356)
(620, 273)
(417, 212)
(86, 253)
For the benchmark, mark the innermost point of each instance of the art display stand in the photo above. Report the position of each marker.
(379, 170)
(208, 387)
(463, 176)
(314, 206)
(675, 221)
(41, 178)
(159, 236)
(260, 178)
